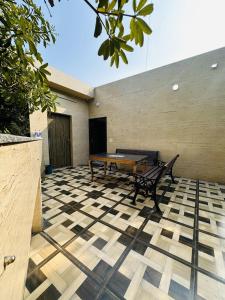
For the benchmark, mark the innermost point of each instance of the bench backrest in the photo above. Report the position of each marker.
(152, 155)
(157, 172)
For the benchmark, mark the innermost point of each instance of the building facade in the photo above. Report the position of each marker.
(179, 108)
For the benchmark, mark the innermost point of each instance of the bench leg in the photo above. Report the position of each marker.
(156, 207)
(171, 175)
(135, 195)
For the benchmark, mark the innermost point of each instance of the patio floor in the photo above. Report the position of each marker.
(96, 245)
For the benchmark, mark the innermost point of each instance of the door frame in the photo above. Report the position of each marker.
(70, 133)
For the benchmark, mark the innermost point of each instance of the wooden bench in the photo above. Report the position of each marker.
(147, 181)
(151, 160)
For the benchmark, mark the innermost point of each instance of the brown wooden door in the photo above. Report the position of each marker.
(59, 140)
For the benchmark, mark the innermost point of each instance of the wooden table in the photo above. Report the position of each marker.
(125, 159)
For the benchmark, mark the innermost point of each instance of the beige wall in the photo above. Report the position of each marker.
(78, 110)
(144, 112)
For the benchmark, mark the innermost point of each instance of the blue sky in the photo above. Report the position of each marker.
(181, 29)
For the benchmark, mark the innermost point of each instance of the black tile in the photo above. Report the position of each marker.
(65, 192)
(34, 280)
(203, 219)
(213, 193)
(131, 230)
(155, 218)
(73, 196)
(119, 283)
(124, 239)
(102, 269)
(178, 292)
(222, 191)
(139, 247)
(87, 235)
(95, 204)
(189, 215)
(167, 233)
(50, 293)
(206, 249)
(140, 200)
(67, 223)
(31, 266)
(78, 206)
(64, 208)
(70, 211)
(203, 202)
(78, 177)
(166, 188)
(44, 209)
(190, 199)
(122, 195)
(174, 210)
(217, 205)
(62, 182)
(114, 192)
(46, 224)
(77, 229)
(145, 237)
(94, 194)
(186, 241)
(111, 185)
(108, 295)
(202, 191)
(113, 212)
(145, 212)
(105, 208)
(165, 200)
(152, 276)
(99, 243)
(125, 216)
(88, 289)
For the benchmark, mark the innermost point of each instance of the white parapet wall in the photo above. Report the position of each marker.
(20, 209)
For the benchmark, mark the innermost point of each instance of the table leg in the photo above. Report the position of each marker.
(134, 169)
(91, 169)
(105, 167)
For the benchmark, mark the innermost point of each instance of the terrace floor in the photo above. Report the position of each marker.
(96, 245)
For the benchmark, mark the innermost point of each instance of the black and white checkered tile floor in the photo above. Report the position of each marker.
(96, 245)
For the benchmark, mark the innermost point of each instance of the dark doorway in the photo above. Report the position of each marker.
(97, 135)
(59, 140)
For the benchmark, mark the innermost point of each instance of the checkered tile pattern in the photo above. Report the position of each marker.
(97, 245)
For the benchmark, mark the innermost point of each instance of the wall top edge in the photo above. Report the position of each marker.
(6, 139)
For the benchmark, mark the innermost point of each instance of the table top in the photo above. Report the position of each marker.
(118, 157)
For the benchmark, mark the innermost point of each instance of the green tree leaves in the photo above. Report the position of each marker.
(98, 27)
(23, 75)
(117, 43)
(110, 17)
(147, 10)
